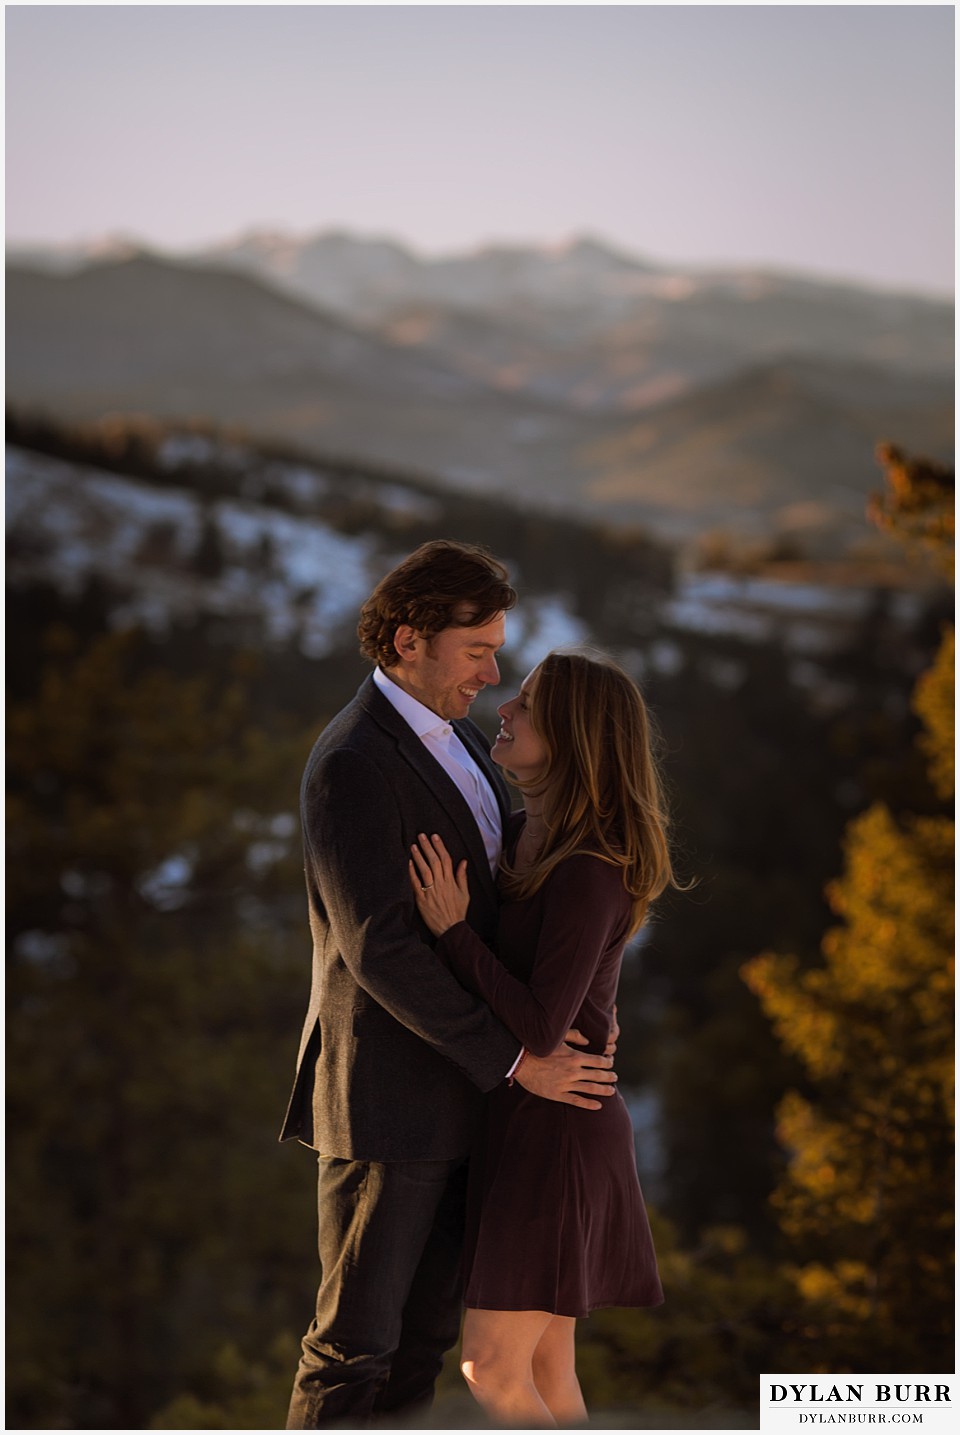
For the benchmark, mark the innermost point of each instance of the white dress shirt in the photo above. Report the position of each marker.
(442, 742)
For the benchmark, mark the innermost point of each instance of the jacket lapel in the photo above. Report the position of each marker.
(444, 789)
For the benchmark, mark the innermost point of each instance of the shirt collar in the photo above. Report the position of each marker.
(422, 719)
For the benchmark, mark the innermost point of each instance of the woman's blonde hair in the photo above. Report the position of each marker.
(602, 793)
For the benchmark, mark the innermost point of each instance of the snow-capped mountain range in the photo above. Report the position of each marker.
(573, 375)
(584, 281)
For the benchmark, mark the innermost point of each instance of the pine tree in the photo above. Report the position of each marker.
(867, 1198)
(152, 892)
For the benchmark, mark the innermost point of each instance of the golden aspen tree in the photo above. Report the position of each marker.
(867, 1197)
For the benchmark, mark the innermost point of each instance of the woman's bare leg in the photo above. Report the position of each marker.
(555, 1372)
(497, 1364)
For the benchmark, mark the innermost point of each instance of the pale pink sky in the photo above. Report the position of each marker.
(817, 138)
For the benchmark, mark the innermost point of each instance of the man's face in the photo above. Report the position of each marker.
(447, 671)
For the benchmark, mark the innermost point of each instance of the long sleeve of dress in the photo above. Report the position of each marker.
(586, 913)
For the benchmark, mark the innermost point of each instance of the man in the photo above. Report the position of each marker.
(395, 1055)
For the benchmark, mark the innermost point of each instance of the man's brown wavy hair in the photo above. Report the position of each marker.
(443, 584)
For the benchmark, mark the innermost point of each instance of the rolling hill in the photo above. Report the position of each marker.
(483, 403)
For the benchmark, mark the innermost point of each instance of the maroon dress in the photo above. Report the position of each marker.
(556, 1220)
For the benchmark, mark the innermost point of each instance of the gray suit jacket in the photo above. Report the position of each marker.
(395, 1053)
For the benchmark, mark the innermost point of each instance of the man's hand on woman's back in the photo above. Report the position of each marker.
(574, 1077)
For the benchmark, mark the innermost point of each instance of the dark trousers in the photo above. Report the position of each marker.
(388, 1307)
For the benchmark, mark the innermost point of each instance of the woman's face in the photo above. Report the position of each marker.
(518, 747)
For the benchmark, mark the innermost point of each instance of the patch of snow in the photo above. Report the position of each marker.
(645, 1108)
(68, 523)
(283, 824)
(304, 486)
(164, 887)
(404, 502)
(91, 517)
(703, 616)
(772, 596)
(148, 610)
(44, 949)
(810, 638)
(84, 884)
(548, 623)
(306, 555)
(263, 855)
(181, 449)
(804, 617)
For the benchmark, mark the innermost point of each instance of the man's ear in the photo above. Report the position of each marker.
(407, 642)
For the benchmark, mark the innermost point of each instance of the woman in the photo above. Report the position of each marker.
(556, 1222)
